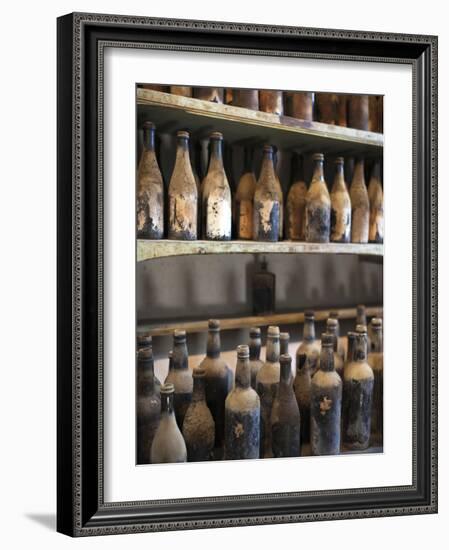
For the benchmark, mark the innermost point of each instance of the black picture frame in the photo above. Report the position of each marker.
(81, 509)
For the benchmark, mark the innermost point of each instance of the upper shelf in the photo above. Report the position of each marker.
(150, 249)
(244, 126)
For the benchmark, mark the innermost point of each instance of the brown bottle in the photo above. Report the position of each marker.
(185, 91)
(242, 413)
(249, 99)
(267, 381)
(284, 340)
(342, 110)
(255, 343)
(296, 202)
(300, 105)
(376, 207)
(267, 201)
(150, 190)
(218, 380)
(198, 427)
(332, 329)
(244, 199)
(373, 108)
(301, 386)
(309, 345)
(216, 195)
(168, 443)
(180, 376)
(326, 106)
(182, 194)
(209, 94)
(148, 405)
(271, 101)
(155, 87)
(318, 205)
(376, 362)
(285, 417)
(340, 206)
(280, 193)
(359, 205)
(358, 112)
(264, 290)
(228, 96)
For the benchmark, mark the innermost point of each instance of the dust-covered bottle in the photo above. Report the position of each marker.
(271, 101)
(180, 376)
(341, 348)
(255, 344)
(340, 206)
(376, 362)
(326, 107)
(244, 199)
(332, 329)
(302, 388)
(145, 340)
(284, 340)
(376, 207)
(300, 105)
(318, 205)
(296, 202)
(309, 345)
(216, 95)
(185, 91)
(267, 201)
(246, 98)
(359, 205)
(358, 111)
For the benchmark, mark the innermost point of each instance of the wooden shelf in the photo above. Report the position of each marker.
(151, 249)
(166, 329)
(244, 126)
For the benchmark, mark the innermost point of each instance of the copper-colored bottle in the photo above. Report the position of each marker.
(155, 87)
(300, 105)
(359, 205)
(198, 427)
(228, 96)
(271, 101)
(244, 199)
(309, 345)
(209, 94)
(285, 417)
(326, 107)
(267, 201)
(332, 329)
(340, 206)
(216, 195)
(376, 205)
(267, 381)
(302, 385)
(318, 205)
(376, 362)
(358, 109)
(373, 120)
(342, 110)
(180, 376)
(185, 91)
(255, 363)
(150, 190)
(249, 99)
(276, 153)
(182, 194)
(296, 202)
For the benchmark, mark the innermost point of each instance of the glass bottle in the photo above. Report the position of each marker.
(248, 99)
(361, 315)
(318, 205)
(302, 387)
(148, 405)
(215, 95)
(359, 205)
(376, 205)
(271, 101)
(242, 413)
(284, 340)
(182, 194)
(198, 427)
(309, 345)
(332, 329)
(218, 381)
(180, 376)
(150, 190)
(170, 373)
(267, 201)
(340, 206)
(185, 91)
(342, 110)
(376, 362)
(300, 105)
(255, 343)
(280, 192)
(341, 348)
(244, 199)
(326, 107)
(358, 111)
(168, 443)
(325, 407)
(296, 201)
(145, 340)
(267, 381)
(358, 395)
(264, 290)
(285, 418)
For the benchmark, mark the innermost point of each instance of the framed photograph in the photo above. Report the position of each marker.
(247, 274)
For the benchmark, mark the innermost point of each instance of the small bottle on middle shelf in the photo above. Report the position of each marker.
(359, 205)
(244, 198)
(318, 205)
(340, 206)
(267, 201)
(296, 201)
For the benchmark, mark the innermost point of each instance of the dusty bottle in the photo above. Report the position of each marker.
(216, 195)
(284, 340)
(280, 192)
(148, 405)
(285, 417)
(182, 194)
(376, 207)
(326, 107)
(359, 205)
(296, 202)
(267, 201)
(271, 101)
(358, 111)
(325, 407)
(332, 329)
(376, 362)
(198, 427)
(267, 381)
(244, 199)
(309, 345)
(342, 110)
(341, 348)
(170, 373)
(185, 91)
(351, 348)
(218, 380)
(340, 206)
(358, 395)
(361, 315)
(249, 99)
(168, 443)
(155, 87)
(255, 363)
(150, 190)
(302, 387)
(242, 413)
(144, 340)
(318, 205)
(180, 376)
(373, 107)
(264, 290)
(300, 105)
(209, 94)
(228, 96)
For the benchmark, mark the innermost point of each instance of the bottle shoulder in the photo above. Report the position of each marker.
(358, 370)
(328, 379)
(269, 373)
(242, 399)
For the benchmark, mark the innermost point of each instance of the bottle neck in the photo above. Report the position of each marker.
(327, 358)
(216, 155)
(351, 346)
(248, 161)
(309, 330)
(199, 388)
(361, 316)
(267, 167)
(180, 356)
(359, 172)
(242, 373)
(332, 332)
(167, 408)
(148, 139)
(360, 348)
(213, 344)
(285, 375)
(377, 341)
(182, 151)
(283, 345)
(146, 376)
(339, 179)
(254, 348)
(376, 170)
(318, 171)
(297, 169)
(273, 351)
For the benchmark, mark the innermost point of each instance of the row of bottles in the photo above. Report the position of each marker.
(269, 409)
(360, 111)
(257, 211)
